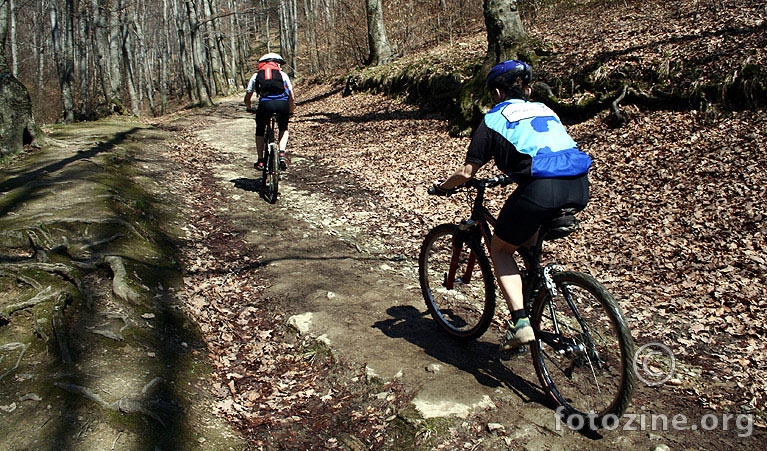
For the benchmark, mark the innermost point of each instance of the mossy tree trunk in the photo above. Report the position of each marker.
(17, 127)
(506, 39)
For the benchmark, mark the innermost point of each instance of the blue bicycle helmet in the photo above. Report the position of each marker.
(505, 74)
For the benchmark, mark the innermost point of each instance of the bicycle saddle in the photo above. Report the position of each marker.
(561, 225)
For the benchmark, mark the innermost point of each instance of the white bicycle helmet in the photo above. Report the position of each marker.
(272, 57)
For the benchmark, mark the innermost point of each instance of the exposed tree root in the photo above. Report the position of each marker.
(120, 280)
(45, 295)
(59, 331)
(11, 347)
(108, 240)
(611, 100)
(117, 336)
(123, 405)
(621, 119)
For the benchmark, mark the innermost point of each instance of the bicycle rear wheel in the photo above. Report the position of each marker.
(457, 282)
(271, 174)
(584, 350)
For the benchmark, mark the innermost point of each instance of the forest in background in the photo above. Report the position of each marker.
(84, 59)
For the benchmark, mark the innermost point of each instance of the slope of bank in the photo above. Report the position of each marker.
(96, 350)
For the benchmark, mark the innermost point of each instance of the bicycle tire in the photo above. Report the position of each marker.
(465, 309)
(596, 380)
(271, 175)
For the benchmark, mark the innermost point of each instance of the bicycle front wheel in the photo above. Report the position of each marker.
(584, 350)
(457, 282)
(271, 174)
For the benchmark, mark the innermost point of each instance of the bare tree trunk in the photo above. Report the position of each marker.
(5, 7)
(288, 32)
(238, 60)
(144, 62)
(381, 51)
(39, 38)
(200, 83)
(310, 35)
(225, 45)
(268, 28)
(506, 37)
(185, 61)
(115, 51)
(86, 101)
(62, 47)
(101, 44)
(100, 15)
(131, 75)
(211, 33)
(14, 46)
(165, 56)
(294, 37)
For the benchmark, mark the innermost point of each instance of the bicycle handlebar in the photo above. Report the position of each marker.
(500, 179)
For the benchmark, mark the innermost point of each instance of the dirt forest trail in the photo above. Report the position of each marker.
(340, 261)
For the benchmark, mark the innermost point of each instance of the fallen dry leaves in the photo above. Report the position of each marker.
(676, 225)
(675, 228)
(281, 389)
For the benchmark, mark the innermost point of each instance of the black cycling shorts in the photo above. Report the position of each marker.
(532, 203)
(266, 109)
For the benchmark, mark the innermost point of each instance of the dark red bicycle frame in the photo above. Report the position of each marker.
(484, 227)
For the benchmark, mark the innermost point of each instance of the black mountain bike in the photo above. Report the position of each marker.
(583, 350)
(271, 175)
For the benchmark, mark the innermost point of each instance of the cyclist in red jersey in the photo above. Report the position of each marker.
(283, 103)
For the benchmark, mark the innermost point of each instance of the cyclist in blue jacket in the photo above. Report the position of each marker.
(528, 142)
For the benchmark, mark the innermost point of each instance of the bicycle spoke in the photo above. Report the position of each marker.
(587, 367)
(271, 174)
(456, 283)
(583, 348)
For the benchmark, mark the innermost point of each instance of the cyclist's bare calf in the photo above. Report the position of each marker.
(507, 272)
(283, 139)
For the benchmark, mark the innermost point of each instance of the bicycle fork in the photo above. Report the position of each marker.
(455, 258)
(569, 347)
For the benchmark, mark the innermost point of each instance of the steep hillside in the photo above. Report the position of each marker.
(660, 55)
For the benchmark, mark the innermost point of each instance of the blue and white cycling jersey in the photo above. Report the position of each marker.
(527, 140)
(280, 97)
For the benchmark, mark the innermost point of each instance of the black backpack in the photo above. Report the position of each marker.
(269, 79)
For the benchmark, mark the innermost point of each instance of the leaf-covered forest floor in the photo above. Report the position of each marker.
(676, 224)
(675, 227)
